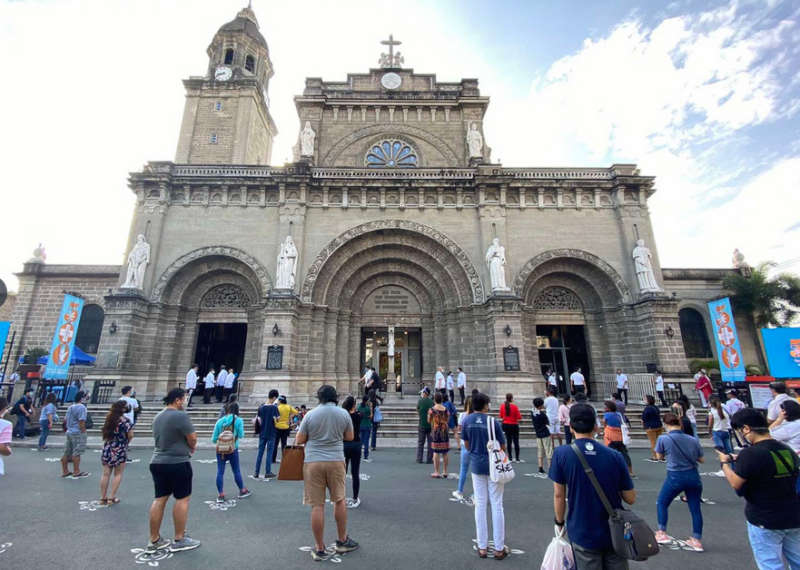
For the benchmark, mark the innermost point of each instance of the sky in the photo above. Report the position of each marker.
(705, 96)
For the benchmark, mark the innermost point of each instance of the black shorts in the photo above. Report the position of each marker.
(172, 479)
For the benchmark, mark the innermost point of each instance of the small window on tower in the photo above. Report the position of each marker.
(218, 106)
(250, 63)
(228, 56)
(213, 138)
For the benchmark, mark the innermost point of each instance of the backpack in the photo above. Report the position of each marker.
(226, 442)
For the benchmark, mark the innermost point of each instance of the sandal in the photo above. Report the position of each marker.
(113, 501)
(482, 553)
(103, 501)
(435, 475)
(501, 554)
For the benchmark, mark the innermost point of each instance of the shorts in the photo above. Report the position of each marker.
(321, 475)
(76, 444)
(172, 479)
(556, 431)
(544, 446)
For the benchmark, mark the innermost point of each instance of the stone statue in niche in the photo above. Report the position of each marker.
(643, 264)
(496, 262)
(474, 141)
(287, 265)
(138, 259)
(307, 136)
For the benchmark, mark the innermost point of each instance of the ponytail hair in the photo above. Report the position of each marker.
(509, 398)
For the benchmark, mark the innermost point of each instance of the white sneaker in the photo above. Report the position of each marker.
(351, 504)
(458, 495)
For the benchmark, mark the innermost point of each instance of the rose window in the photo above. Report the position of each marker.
(391, 154)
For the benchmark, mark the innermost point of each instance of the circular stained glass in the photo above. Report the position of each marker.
(391, 154)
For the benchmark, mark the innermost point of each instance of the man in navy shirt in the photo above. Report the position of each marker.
(266, 439)
(587, 520)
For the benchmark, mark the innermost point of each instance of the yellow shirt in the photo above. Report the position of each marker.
(285, 411)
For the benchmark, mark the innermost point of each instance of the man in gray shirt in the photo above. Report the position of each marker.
(76, 438)
(171, 468)
(323, 430)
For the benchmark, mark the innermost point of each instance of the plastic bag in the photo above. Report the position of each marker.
(559, 554)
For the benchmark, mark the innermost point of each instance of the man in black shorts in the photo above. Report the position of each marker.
(171, 468)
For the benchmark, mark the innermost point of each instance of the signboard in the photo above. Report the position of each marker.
(760, 395)
(783, 351)
(511, 358)
(274, 357)
(4, 328)
(731, 363)
(64, 338)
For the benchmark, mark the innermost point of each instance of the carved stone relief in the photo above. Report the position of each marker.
(557, 299)
(225, 297)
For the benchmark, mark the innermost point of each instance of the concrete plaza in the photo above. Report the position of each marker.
(406, 518)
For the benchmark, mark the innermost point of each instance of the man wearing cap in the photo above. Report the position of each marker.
(424, 404)
(587, 519)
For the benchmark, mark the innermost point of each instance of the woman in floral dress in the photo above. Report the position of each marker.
(440, 436)
(117, 434)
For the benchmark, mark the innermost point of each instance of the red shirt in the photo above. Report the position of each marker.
(513, 416)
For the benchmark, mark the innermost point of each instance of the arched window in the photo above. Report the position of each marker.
(228, 56)
(694, 333)
(391, 154)
(90, 328)
(250, 63)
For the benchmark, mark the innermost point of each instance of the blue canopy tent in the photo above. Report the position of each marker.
(79, 358)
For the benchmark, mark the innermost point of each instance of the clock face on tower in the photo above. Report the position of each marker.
(391, 80)
(223, 73)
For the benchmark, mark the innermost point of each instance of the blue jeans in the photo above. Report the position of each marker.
(19, 427)
(233, 458)
(269, 443)
(364, 434)
(375, 426)
(722, 439)
(769, 545)
(45, 425)
(464, 471)
(676, 482)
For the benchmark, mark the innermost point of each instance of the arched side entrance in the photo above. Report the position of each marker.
(694, 332)
(573, 314)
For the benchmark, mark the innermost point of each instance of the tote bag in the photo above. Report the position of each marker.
(292, 463)
(500, 468)
(626, 430)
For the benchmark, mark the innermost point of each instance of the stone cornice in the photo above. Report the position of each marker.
(691, 274)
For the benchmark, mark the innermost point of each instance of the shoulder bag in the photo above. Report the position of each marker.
(500, 468)
(631, 537)
(625, 429)
(292, 460)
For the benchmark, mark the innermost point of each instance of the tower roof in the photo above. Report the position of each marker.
(245, 22)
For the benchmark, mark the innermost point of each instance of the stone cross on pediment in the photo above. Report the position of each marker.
(391, 59)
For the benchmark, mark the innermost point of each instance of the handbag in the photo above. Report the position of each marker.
(559, 555)
(292, 463)
(626, 430)
(500, 468)
(631, 537)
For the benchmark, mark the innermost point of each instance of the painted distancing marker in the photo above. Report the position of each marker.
(140, 556)
(330, 550)
(223, 506)
(91, 505)
(5, 546)
(490, 548)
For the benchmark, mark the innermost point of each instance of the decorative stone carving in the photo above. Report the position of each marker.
(398, 129)
(287, 265)
(738, 261)
(496, 262)
(138, 258)
(225, 297)
(475, 141)
(643, 264)
(307, 136)
(557, 299)
(313, 271)
(225, 251)
(39, 255)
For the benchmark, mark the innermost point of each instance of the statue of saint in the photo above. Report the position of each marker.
(39, 255)
(474, 141)
(287, 265)
(738, 260)
(307, 136)
(138, 259)
(643, 263)
(496, 261)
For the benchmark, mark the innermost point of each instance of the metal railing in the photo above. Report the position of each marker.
(639, 385)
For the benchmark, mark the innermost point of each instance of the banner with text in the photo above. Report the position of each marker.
(5, 326)
(64, 339)
(731, 363)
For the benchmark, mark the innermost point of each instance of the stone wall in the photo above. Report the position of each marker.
(7, 308)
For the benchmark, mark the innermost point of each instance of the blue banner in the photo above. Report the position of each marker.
(64, 339)
(783, 351)
(4, 328)
(731, 362)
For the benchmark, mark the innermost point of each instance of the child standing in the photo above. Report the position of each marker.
(541, 425)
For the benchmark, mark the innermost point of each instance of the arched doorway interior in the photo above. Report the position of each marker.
(694, 334)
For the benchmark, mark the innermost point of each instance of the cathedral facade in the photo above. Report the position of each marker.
(391, 240)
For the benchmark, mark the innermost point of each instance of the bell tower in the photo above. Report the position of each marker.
(226, 118)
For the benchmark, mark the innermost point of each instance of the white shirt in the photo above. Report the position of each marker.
(439, 385)
(229, 380)
(720, 423)
(734, 405)
(551, 407)
(774, 408)
(788, 433)
(191, 379)
(209, 380)
(450, 382)
(462, 380)
(552, 380)
(223, 374)
(134, 405)
(13, 378)
(622, 381)
(577, 378)
(659, 383)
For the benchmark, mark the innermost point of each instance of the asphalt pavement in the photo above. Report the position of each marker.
(407, 519)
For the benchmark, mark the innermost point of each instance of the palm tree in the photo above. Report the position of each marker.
(770, 301)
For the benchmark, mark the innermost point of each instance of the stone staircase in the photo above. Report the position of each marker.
(400, 418)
